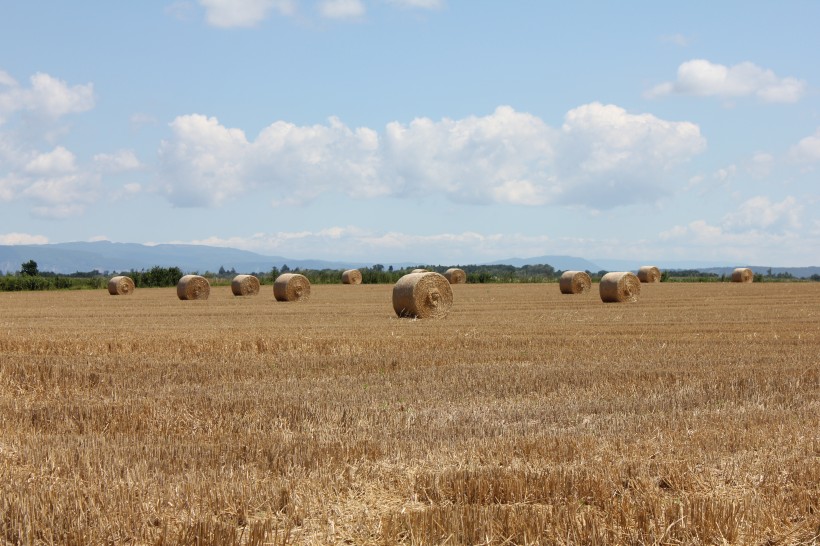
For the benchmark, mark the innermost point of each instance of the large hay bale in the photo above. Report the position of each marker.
(193, 287)
(291, 287)
(121, 286)
(575, 282)
(455, 275)
(649, 273)
(620, 286)
(419, 270)
(352, 276)
(422, 295)
(245, 285)
(743, 274)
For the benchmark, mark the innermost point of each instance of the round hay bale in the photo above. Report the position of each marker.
(419, 270)
(620, 287)
(455, 275)
(649, 273)
(245, 285)
(352, 276)
(121, 286)
(575, 282)
(193, 287)
(422, 295)
(291, 287)
(743, 274)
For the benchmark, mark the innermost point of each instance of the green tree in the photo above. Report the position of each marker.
(29, 269)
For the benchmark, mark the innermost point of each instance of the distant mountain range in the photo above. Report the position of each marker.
(105, 256)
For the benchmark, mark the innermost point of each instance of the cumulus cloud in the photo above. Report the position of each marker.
(6, 80)
(57, 161)
(47, 97)
(341, 9)
(205, 163)
(703, 78)
(609, 157)
(243, 13)
(808, 149)
(757, 229)
(120, 161)
(53, 181)
(15, 238)
(760, 213)
(601, 157)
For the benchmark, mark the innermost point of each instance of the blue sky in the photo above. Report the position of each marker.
(428, 131)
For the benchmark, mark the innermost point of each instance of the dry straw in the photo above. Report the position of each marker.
(743, 274)
(455, 275)
(575, 282)
(352, 276)
(620, 287)
(245, 285)
(121, 286)
(422, 295)
(193, 287)
(291, 287)
(649, 273)
(419, 270)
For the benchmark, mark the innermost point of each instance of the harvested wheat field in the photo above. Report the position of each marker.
(691, 416)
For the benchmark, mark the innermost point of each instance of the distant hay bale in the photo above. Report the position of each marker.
(291, 287)
(743, 274)
(575, 282)
(245, 285)
(352, 276)
(620, 287)
(455, 275)
(649, 273)
(422, 295)
(193, 287)
(121, 286)
(419, 270)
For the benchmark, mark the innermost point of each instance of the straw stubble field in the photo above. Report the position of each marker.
(524, 417)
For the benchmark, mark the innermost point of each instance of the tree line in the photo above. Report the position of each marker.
(31, 278)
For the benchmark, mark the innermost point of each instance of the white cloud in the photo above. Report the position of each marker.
(69, 189)
(703, 78)
(47, 97)
(341, 9)
(760, 213)
(609, 157)
(120, 161)
(132, 188)
(243, 13)
(22, 239)
(420, 4)
(601, 157)
(57, 161)
(761, 164)
(759, 230)
(206, 163)
(808, 149)
(475, 159)
(6, 79)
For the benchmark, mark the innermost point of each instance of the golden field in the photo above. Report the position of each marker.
(524, 417)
